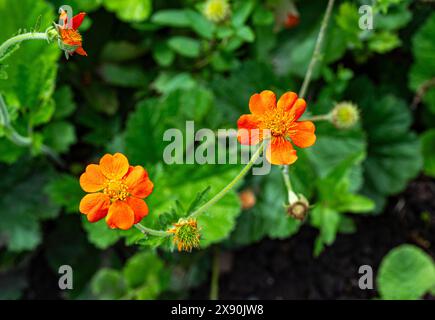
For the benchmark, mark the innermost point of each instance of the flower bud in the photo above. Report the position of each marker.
(247, 198)
(186, 234)
(298, 208)
(345, 115)
(216, 10)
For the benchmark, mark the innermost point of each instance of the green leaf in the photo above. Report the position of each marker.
(24, 205)
(108, 284)
(200, 24)
(168, 82)
(152, 118)
(219, 220)
(59, 136)
(65, 105)
(406, 273)
(423, 69)
(33, 67)
(120, 51)
(146, 274)
(124, 76)
(163, 55)
(130, 10)
(242, 11)
(428, 150)
(185, 46)
(246, 34)
(64, 190)
(80, 5)
(100, 235)
(394, 155)
(384, 42)
(171, 18)
(268, 217)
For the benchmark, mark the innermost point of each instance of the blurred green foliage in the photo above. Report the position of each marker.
(153, 65)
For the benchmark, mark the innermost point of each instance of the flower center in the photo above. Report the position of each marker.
(277, 122)
(116, 190)
(71, 36)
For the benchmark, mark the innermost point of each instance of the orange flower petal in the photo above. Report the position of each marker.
(263, 102)
(77, 20)
(139, 208)
(280, 152)
(95, 206)
(249, 132)
(81, 51)
(93, 179)
(120, 216)
(114, 167)
(287, 100)
(139, 185)
(302, 134)
(298, 109)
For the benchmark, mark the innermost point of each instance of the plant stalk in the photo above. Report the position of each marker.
(146, 230)
(230, 185)
(20, 38)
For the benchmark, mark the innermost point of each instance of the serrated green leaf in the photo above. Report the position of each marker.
(33, 67)
(108, 284)
(59, 136)
(423, 68)
(65, 191)
(406, 273)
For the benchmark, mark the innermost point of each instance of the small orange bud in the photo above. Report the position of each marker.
(247, 198)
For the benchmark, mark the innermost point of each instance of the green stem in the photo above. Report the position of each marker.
(157, 233)
(321, 117)
(214, 286)
(291, 196)
(314, 59)
(20, 38)
(230, 185)
(317, 49)
(15, 137)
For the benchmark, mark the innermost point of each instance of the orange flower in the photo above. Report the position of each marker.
(282, 122)
(70, 37)
(116, 192)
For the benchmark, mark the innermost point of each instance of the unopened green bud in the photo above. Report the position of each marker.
(216, 10)
(345, 115)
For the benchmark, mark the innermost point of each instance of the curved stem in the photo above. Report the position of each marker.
(230, 185)
(146, 230)
(317, 49)
(15, 137)
(20, 38)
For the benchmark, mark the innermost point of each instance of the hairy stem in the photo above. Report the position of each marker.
(16, 138)
(146, 230)
(20, 38)
(317, 49)
(230, 185)
(321, 117)
(314, 59)
(214, 285)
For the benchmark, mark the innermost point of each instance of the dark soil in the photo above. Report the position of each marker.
(287, 269)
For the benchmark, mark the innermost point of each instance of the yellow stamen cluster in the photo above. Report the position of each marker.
(70, 36)
(186, 234)
(279, 123)
(116, 190)
(345, 115)
(216, 10)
